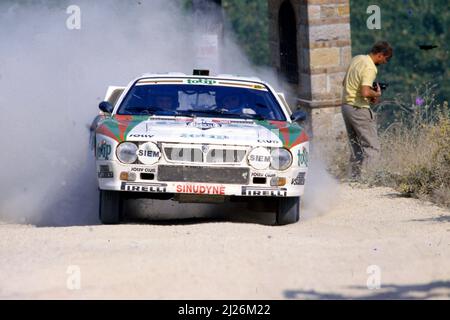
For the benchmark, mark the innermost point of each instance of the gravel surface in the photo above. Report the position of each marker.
(368, 238)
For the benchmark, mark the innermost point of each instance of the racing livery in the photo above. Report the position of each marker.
(172, 135)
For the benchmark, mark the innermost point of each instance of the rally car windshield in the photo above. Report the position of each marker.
(252, 102)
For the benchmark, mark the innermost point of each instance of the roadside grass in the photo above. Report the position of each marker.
(415, 150)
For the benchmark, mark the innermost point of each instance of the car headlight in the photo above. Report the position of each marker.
(148, 153)
(259, 158)
(127, 152)
(280, 159)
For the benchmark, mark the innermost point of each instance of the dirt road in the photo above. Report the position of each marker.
(369, 238)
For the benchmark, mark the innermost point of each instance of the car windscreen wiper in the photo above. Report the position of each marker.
(225, 113)
(151, 111)
(243, 115)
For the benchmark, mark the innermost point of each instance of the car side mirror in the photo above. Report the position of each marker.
(299, 116)
(105, 106)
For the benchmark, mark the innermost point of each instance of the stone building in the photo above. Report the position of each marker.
(311, 48)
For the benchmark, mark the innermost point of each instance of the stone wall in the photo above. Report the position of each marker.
(324, 52)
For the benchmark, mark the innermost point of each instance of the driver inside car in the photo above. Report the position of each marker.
(164, 102)
(232, 103)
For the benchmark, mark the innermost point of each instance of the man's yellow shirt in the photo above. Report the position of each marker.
(361, 72)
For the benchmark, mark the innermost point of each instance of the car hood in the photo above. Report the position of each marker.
(202, 130)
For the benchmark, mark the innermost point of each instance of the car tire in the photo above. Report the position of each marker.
(110, 209)
(288, 211)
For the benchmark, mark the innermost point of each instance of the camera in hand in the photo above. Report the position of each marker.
(383, 86)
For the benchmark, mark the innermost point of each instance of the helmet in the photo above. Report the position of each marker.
(164, 98)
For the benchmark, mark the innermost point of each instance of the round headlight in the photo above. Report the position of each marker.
(148, 153)
(259, 158)
(127, 152)
(280, 159)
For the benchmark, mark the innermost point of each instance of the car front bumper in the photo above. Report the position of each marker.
(199, 180)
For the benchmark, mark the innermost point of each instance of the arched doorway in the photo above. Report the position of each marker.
(288, 42)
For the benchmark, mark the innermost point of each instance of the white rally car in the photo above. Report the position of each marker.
(208, 139)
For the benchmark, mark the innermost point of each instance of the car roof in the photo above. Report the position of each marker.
(219, 76)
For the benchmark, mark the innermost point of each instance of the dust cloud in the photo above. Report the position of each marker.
(52, 79)
(321, 190)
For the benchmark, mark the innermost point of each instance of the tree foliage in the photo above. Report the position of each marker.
(406, 24)
(249, 20)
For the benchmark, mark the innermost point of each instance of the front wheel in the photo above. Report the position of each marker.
(287, 211)
(110, 210)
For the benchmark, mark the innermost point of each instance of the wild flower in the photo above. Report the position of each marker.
(419, 101)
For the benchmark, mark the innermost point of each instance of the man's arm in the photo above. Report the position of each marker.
(369, 93)
(368, 76)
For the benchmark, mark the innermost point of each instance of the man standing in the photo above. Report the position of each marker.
(358, 94)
